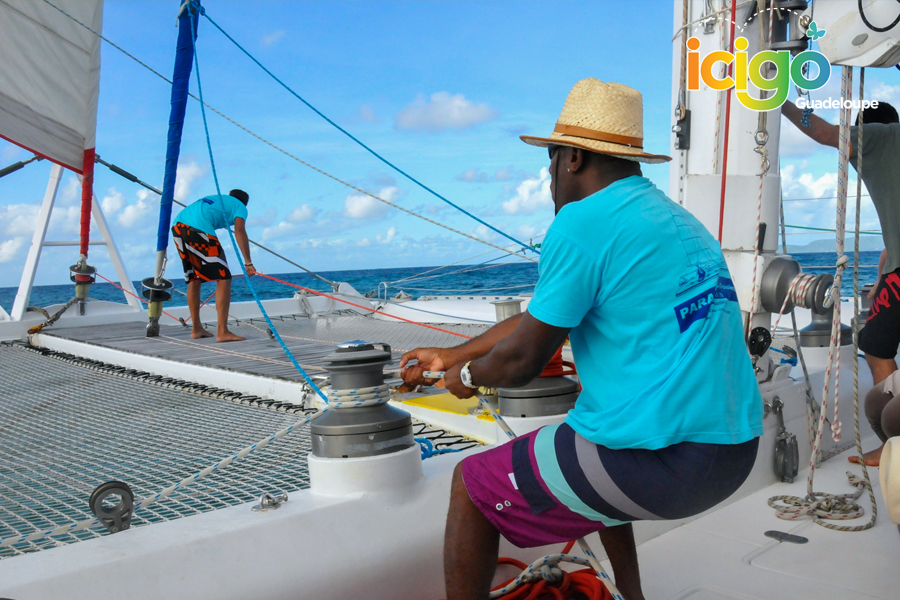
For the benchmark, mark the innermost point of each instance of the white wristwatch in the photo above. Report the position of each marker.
(466, 376)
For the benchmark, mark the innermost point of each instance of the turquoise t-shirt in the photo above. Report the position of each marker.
(212, 212)
(655, 324)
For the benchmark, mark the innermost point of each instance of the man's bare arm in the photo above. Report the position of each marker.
(822, 131)
(514, 361)
(240, 235)
(441, 359)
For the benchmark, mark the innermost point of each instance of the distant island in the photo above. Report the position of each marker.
(867, 243)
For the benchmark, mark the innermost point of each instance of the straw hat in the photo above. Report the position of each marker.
(607, 118)
(889, 473)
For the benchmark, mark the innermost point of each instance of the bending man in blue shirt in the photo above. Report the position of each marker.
(203, 257)
(668, 421)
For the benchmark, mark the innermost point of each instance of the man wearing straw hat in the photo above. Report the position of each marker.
(667, 423)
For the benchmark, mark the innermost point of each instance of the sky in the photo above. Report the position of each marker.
(441, 89)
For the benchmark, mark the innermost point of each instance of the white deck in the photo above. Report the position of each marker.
(724, 555)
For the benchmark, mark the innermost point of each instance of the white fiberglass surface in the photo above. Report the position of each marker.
(726, 555)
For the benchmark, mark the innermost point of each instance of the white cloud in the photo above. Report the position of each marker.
(277, 231)
(359, 206)
(18, 219)
(70, 192)
(504, 174)
(10, 153)
(65, 219)
(112, 202)
(270, 39)
(805, 185)
(133, 213)
(473, 176)
(10, 248)
(363, 243)
(884, 93)
(366, 114)
(443, 111)
(387, 237)
(304, 213)
(264, 220)
(529, 231)
(187, 174)
(531, 195)
(485, 233)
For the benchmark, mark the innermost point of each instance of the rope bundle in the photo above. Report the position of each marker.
(359, 397)
(819, 506)
(544, 580)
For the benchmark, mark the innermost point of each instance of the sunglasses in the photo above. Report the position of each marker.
(551, 150)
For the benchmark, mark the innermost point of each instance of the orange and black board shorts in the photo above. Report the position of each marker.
(201, 254)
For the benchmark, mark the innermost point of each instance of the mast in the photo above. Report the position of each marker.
(156, 289)
(700, 178)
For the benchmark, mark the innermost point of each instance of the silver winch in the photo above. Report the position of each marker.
(355, 431)
(541, 397)
(779, 293)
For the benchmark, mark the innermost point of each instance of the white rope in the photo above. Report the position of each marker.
(821, 506)
(359, 397)
(546, 568)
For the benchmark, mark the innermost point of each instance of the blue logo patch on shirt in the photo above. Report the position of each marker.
(698, 307)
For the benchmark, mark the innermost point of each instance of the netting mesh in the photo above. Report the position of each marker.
(65, 429)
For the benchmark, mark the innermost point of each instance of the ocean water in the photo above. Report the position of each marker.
(487, 279)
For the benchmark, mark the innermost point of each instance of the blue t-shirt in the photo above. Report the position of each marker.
(655, 323)
(212, 212)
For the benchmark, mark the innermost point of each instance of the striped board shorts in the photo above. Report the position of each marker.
(552, 485)
(201, 254)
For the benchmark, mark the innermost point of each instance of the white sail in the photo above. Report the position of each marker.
(50, 77)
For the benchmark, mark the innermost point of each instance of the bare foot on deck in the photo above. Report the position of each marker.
(229, 337)
(200, 333)
(873, 457)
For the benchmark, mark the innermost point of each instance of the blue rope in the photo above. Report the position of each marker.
(237, 251)
(358, 141)
(428, 449)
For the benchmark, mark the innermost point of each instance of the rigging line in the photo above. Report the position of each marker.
(130, 177)
(363, 145)
(686, 26)
(820, 198)
(473, 291)
(478, 267)
(230, 233)
(871, 232)
(417, 276)
(18, 165)
(366, 308)
(135, 295)
(288, 154)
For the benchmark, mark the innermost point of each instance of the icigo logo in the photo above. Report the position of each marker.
(786, 71)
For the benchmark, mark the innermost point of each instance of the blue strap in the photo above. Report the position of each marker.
(181, 78)
(372, 152)
(428, 449)
(212, 162)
